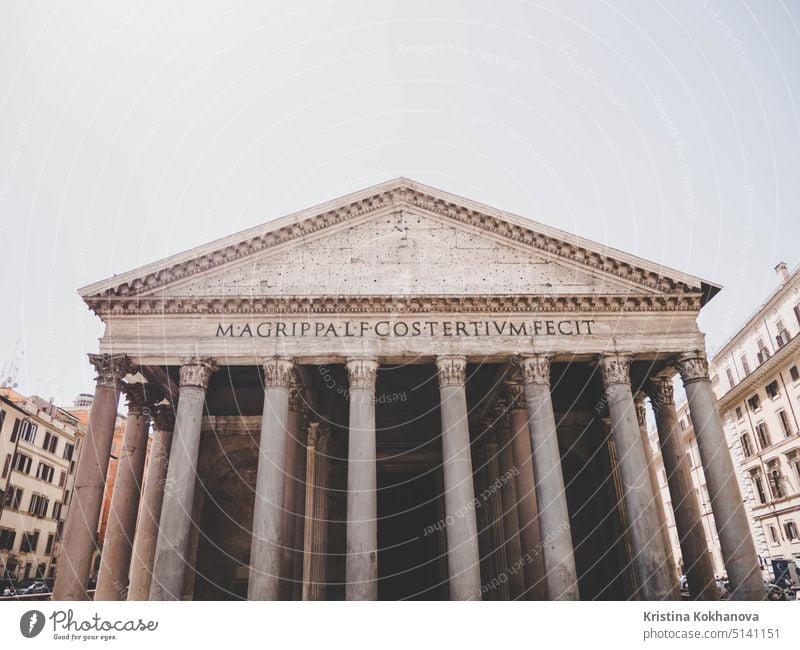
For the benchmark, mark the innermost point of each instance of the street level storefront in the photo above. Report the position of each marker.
(401, 394)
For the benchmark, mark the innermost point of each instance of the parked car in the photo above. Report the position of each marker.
(775, 592)
(37, 587)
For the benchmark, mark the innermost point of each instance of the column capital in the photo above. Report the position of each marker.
(196, 371)
(451, 369)
(536, 369)
(111, 368)
(692, 366)
(163, 416)
(515, 391)
(362, 372)
(319, 436)
(660, 391)
(278, 372)
(139, 397)
(615, 368)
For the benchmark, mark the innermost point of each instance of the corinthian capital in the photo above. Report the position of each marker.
(111, 368)
(451, 370)
(361, 373)
(196, 371)
(536, 369)
(515, 392)
(163, 417)
(660, 392)
(278, 372)
(693, 366)
(138, 396)
(615, 369)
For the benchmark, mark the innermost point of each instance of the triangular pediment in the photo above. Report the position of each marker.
(398, 239)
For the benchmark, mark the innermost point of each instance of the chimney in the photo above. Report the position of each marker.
(783, 272)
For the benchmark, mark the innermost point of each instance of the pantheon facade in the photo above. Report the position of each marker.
(400, 394)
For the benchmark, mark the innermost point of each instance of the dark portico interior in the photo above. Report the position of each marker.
(412, 557)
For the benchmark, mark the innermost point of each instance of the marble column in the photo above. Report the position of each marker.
(688, 521)
(316, 529)
(491, 502)
(727, 504)
(300, 509)
(291, 485)
(144, 543)
(653, 576)
(463, 555)
(554, 522)
(268, 550)
(361, 564)
(115, 561)
(527, 508)
(80, 531)
(174, 530)
(641, 416)
(508, 496)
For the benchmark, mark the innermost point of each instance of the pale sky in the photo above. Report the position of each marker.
(131, 131)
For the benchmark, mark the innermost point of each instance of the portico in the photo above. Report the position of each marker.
(405, 394)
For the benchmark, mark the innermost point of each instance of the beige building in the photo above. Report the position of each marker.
(398, 394)
(756, 376)
(39, 447)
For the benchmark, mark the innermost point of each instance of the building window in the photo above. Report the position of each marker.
(45, 472)
(762, 433)
(739, 413)
(772, 389)
(747, 449)
(783, 337)
(25, 429)
(6, 465)
(22, 463)
(763, 353)
(39, 505)
(68, 449)
(790, 528)
(66, 497)
(745, 364)
(29, 543)
(755, 403)
(794, 463)
(689, 459)
(759, 486)
(48, 549)
(13, 498)
(56, 510)
(794, 373)
(786, 427)
(776, 481)
(773, 535)
(731, 380)
(50, 442)
(7, 537)
(62, 478)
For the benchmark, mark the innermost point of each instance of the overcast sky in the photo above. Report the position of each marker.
(131, 131)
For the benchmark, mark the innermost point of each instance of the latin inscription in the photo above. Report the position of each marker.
(400, 329)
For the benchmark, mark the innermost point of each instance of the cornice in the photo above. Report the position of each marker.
(756, 378)
(377, 304)
(398, 196)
